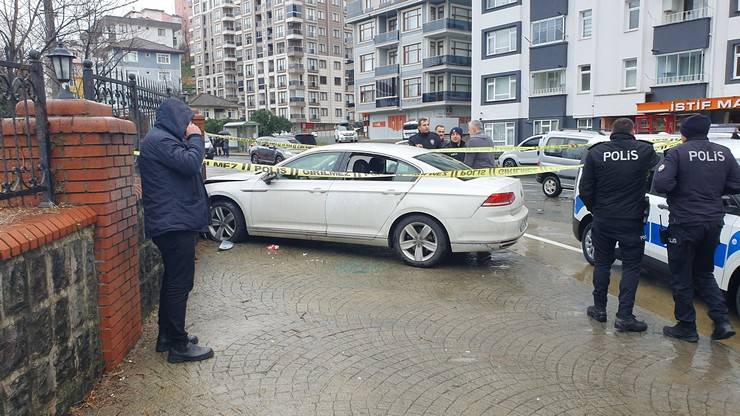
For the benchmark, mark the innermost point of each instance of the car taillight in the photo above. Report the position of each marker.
(500, 199)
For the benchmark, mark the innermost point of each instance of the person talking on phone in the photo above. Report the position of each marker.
(175, 211)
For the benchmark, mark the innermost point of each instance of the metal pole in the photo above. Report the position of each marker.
(88, 84)
(135, 115)
(42, 127)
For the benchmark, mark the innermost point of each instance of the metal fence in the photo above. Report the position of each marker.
(24, 138)
(131, 98)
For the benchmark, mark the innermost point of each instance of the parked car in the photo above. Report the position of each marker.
(210, 149)
(422, 218)
(306, 138)
(727, 255)
(409, 129)
(263, 151)
(344, 134)
(553, 183)
(525, 155)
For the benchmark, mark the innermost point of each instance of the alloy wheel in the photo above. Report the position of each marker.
(418, 241)
(223, 223)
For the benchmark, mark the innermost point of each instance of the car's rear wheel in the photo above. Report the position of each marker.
(509, 163)
(551, 186)
(254, 158)
(227, 222)
(587, 244)
(278, 159)
(420, 241)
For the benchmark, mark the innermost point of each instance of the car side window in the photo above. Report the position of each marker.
(377, 164)
(555, 141)
(732, 204)
(326, 161)
(533, 142)
(651, 178)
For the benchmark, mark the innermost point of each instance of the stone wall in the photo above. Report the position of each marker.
(150, 269)
(50, 352)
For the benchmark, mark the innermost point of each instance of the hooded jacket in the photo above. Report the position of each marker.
(174, 197)
(695, 175)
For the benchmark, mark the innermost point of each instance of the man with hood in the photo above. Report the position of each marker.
(175, 211)
(425, 138)
(694, 176)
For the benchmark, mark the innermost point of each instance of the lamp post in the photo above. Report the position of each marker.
(61, 62)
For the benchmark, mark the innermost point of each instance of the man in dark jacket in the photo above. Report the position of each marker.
(175, 211)
(455, 141)
(479, 139)
(424, 138)
(613, 185)
(694, 176)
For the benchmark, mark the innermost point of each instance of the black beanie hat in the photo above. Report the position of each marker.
(695, 126)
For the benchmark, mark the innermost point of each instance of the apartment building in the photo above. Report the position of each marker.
(286, 56)
(412, 59)
(541, 65)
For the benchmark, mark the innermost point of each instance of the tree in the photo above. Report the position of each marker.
(269, 123)
(214, 126)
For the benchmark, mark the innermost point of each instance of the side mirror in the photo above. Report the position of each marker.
(269, 177)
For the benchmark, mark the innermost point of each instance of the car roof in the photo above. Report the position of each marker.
(591, 136)
(384, 148)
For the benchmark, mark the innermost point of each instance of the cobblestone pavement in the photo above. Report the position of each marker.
(325, 329)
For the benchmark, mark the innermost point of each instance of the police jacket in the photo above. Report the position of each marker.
(449, 144)
(428, 140)
(694, 176)
(614, 178)
(173, 194)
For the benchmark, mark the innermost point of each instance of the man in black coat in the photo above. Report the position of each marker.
(613, 185)
(455, 142)
(424, 138)
(175, 211)
(695, 175)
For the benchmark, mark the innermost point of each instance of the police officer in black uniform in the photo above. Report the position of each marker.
(613, 185)
(694, 176)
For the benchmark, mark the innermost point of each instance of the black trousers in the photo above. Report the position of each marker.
(605, 234)
(691, 250)
(178, 255)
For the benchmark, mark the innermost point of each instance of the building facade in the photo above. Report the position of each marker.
(286, 56)
(184, 9)
(541, 65)
(148, 61)
(412, 59)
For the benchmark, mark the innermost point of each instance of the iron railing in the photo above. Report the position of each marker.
(24, 143)
(131, 98)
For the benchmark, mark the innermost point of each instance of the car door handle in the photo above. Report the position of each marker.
(319, 190)
(392, 192)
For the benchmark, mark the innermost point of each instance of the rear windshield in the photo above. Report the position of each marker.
(442, 162)
(410, 126)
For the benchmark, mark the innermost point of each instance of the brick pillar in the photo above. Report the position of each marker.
(200, 121)
(93, 165)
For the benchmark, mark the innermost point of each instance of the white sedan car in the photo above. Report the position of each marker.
(422, 218)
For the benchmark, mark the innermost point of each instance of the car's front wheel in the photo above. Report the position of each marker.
(420, 241)
(278, 159)
(254, 158)
(227, 222)
(587, 244)
(551, 186)
(509, 163)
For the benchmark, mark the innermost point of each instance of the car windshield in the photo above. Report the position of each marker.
(442, 162)
(342, 128)
(410, 126)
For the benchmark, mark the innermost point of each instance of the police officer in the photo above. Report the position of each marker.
(613, 185)
(425, 138)
(695, 175)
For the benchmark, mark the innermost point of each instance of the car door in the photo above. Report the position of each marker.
(570, 156)
(358, 208)
(529, 157)
(294, 205)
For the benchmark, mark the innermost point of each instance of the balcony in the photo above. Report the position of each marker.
(685, 15)
(447, 24)
(313, 69)
(349, 104)
(453, 60)
(295, 83)
(297, 99)
(313, 85)
(386, 102)
(294, 34)
(679, 79)
(431, 97)
(294, 51)
(386, 37)
(315, 118)
(541, 92)
(386, 70)
(297, 117)
(228, 58)
(313, 101)
(228, 17)
(295, 68)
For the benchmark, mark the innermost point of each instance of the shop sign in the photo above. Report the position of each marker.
(691, 105)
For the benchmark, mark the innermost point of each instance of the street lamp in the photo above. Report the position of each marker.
(61, 62)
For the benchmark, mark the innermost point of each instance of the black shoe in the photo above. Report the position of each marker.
(722, 330)
(596, 313)
(190, 352)
(681, 332)
(163, 343)
(630, 325)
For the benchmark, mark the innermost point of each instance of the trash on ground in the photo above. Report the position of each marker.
(225, 245)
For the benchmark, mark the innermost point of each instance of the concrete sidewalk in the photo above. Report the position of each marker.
(324, 329)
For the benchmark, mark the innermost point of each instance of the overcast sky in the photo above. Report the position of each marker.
(166, 5)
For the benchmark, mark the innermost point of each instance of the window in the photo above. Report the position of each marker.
(436, 47)
(161, 32)
(337, 112)
(546, 126)
(338, 96)
(321, 15)
(492, 4)
(337, 66)
(324, 112)
(392, 57)
(502, 133)
(310, 14)
(436, 83)
(322, 64)
(132, 56)
(736, 73)
(392, 24)
(322, 80)
(586, 24)
(459, 83)
(386, 88)
(548, 31)
(411, 20)
(630, 74)
(502, 41)
(568, 153)
(584, 79)
(367, 62)
(548, 82)
(584, 123)
(337, 33)
(322, 31)
(164, 76)
(358, 163)
(163, 58)
(633, 14)
(412, 54)
(338, 81)
(367, 93)
(459, 48)
(680, 67)
(322, 48)
(367, 31)
(315, 161)
(436, 12)
(311, 31)
(461, 13)
(337, 50)
(412, 88)
(501, 88)
(335, 18)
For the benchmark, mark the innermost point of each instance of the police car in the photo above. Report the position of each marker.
(727, 255)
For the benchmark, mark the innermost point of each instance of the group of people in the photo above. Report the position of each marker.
(221, 146)
(436, 140)
(694, 175)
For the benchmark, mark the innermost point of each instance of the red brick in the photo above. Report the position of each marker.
(20, 238)
(5, 251)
